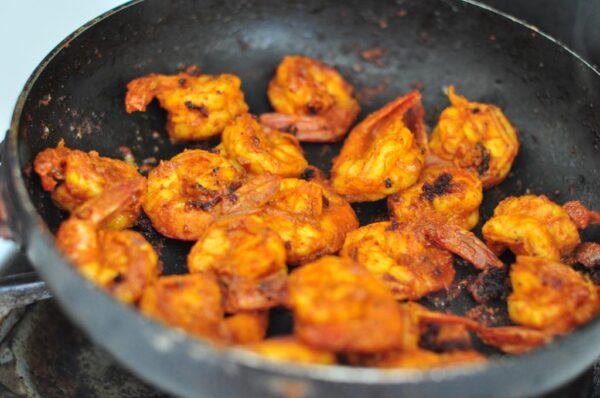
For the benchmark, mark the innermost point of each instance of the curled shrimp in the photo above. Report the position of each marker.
(401, 257)
(189, 302)
(446, 194)
(535, 226)
(510, 339)
(311, 99)
(415, 259)
(248, 258)
(381, 155)
(289, 349)
(340, 306)
(185, 194)
(199, 106)
(550, 296)
(121, 262)
(74, 177)
(311, 219)
(259, 149)
(477, 137)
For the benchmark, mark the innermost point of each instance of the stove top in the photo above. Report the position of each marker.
(43, 355)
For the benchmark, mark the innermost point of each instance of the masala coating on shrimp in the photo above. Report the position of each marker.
(259, 149)
(248, 258)
(340, 306)
(311, 99)
(531, 225)
(290, 349)
(550, 296)
(311, 219)
(445, 194)
(381, 155)
(121, 262)
(185, 194)
(401, 257)
(198, 106)
(477, 137)
(189, 302)
(72, 177)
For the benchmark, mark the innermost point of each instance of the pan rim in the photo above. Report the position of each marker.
(235, 357)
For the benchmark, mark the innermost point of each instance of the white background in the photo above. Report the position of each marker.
(29, 29)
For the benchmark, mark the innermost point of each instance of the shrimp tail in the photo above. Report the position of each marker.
(581, 215)
(464, 244)
(116, 198)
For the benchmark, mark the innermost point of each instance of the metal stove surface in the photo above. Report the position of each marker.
(43, 355)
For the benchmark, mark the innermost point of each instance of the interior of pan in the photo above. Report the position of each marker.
(550, 96)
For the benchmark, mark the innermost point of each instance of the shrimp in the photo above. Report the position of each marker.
(311, 99)
(198, 106)
(311, 219)
(121, 262)
(74, 177)
(248, 259)
(189, 302)
(446, 194)
(511, 339)
(534, 226)
(550, 296)
(185, 194)
(401, 257)
(290, 349)
(246, 327)
(340, 306)
(415, 259)
(381, 155)
(477, 137)
(259, 149)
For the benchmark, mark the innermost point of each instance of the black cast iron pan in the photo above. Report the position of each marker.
(77, 93)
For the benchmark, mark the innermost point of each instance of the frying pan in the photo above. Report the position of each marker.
(77, 93)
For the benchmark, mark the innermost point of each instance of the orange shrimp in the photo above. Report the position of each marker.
(74, 177)
(311, 100)
(199, 106)
(477, 137)
(121, 262)
(381, 155)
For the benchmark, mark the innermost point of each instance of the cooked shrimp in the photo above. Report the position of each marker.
(73, 177)
(189, 302)
(290, 349)
(340, 306)
(248, 258)
(259, 149)
(401, 257)
(246, 327)
(531, 225)
(550, 296)
(477, 137)
(311, 219)
(311, 99)
(199, 106)
(185, 194)
(511, 339)
(121, 262)
(446, 194)
(581, 215)
(381, 155)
